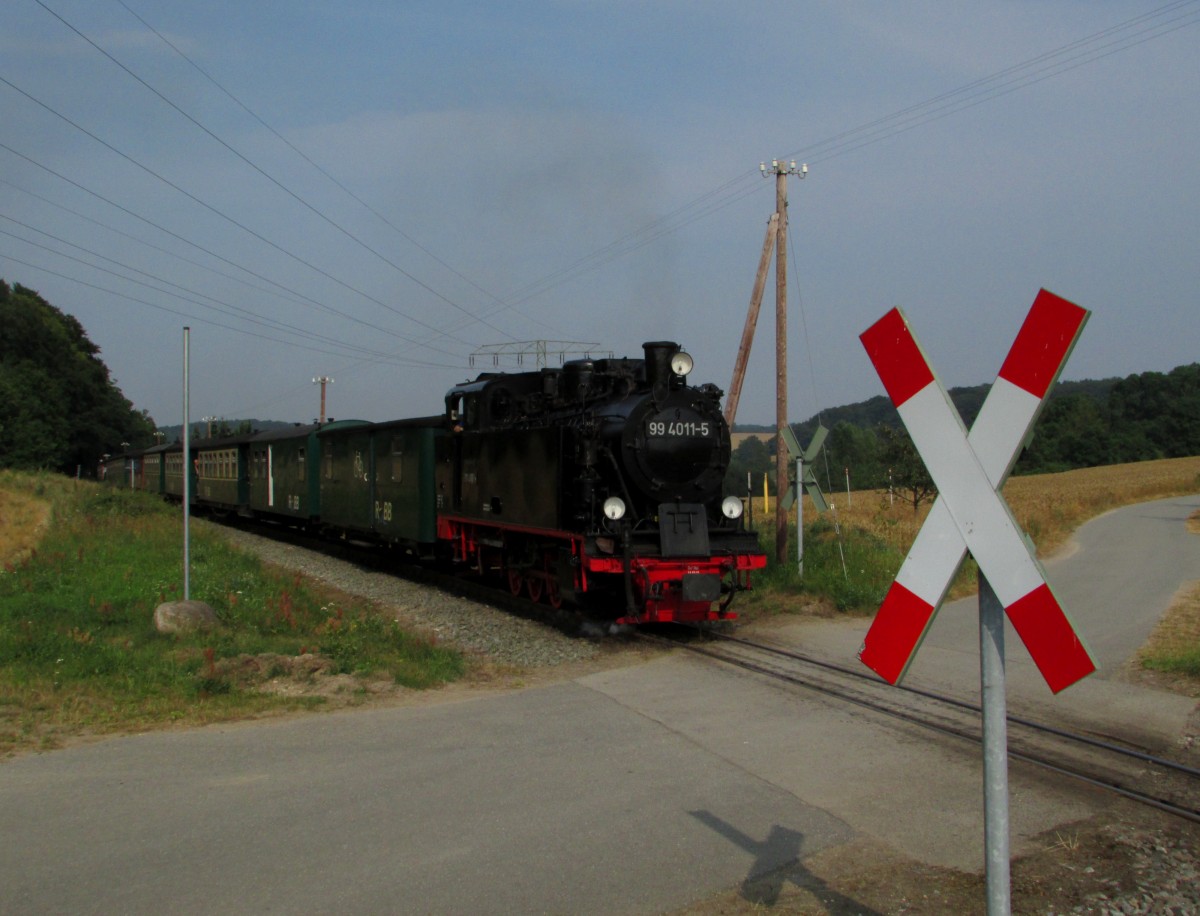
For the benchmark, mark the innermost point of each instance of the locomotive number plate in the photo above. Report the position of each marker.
(679, 427)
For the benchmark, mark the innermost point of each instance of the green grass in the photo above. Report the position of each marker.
(849, 568)
(79, 651)
(846, 567)
(1184, 661)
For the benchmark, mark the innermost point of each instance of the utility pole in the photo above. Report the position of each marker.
(322, 380)
(743, 356)
(781, 170)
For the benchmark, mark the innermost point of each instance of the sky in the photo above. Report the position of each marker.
(388, 194)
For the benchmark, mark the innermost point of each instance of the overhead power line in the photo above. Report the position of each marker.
(160, 228)
(215, 211)
(1128, 34)
(1123, 36)
(125, 297)
(178, 291)
(1068, 57)
(299, 152)
(288, 191)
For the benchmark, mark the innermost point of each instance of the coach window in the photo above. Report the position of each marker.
(327, 460)
(397, 459)
(300, 464)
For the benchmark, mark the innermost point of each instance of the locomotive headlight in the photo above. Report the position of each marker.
(614, 508)
(731, 507)
(681, 363)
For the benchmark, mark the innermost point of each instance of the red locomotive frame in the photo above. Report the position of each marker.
(656, 581)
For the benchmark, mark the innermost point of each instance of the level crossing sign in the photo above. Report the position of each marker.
(969, 512)
(804, 468)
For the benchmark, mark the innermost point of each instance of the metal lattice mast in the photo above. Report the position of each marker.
(539, 350)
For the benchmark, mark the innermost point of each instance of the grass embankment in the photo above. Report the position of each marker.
(852, 554)
(79, 653)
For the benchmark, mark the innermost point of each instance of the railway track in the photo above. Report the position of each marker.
(1131, 772)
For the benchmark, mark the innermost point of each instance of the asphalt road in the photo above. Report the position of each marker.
(635, 790)
(1115, 578)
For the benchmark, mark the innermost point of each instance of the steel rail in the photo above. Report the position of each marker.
(1165, 805)
(962, 704)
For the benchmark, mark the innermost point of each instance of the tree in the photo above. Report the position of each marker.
(1072, 432)
(907, 470)
(859, 451)
(59, 408)
(752, 456)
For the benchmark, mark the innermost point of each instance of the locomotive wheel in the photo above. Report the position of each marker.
(534, 585)
(553, 593)
(514, 581)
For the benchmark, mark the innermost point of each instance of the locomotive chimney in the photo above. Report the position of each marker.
(658, 362)
(577, 378)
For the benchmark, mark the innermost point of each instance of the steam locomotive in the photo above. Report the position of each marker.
(596, 485)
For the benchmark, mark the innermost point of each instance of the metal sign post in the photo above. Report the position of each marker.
(994, 702)
(971, 515)
(806, 478)
(187, 477)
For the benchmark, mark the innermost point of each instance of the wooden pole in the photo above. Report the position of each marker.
(743, 355)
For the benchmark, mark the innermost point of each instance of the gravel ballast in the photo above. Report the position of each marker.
(468, 625)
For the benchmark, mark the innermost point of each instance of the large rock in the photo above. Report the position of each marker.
(184, 616)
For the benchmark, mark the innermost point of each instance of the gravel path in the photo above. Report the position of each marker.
(466, 624)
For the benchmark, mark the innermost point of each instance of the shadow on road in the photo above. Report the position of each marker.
(777, 862)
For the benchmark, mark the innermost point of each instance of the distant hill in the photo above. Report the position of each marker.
(878, 411)
(1084, 424)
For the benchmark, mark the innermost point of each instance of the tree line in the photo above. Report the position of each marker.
(1085, 424)
(59, 408)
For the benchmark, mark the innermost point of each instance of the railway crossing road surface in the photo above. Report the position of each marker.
(633, 790)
